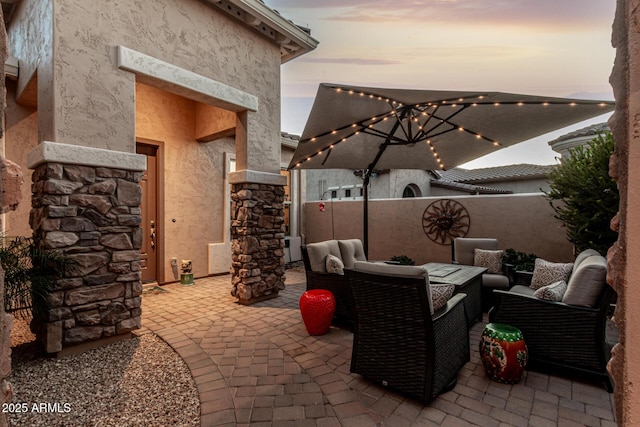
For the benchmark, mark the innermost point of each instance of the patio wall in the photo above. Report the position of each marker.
(524, 222)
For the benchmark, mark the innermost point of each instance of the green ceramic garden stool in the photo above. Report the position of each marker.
(503, 352)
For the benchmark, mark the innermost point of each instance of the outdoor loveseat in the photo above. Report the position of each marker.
(398, 341)
(566, 336)
(315, 256)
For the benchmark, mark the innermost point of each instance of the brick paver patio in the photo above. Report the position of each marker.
(256, 365)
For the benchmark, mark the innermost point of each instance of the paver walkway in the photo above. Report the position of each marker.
(256, 365)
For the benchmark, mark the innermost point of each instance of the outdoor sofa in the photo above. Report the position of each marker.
(315, 257)
(402, 339)
(566, 336)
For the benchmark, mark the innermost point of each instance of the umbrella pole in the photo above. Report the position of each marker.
(365, 220)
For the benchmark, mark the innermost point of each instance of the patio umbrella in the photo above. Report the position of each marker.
(352, 127)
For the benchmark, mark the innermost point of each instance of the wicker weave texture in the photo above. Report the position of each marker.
(395, 340)
(557, 335)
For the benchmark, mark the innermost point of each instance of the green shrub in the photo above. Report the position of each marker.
(29, 276)
(584, 197)
(403, 260)
(520, 261)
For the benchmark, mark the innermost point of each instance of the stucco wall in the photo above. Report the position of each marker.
(193, 177)
(22, 132)
(523, 222)
(30, 40)
(94, 100)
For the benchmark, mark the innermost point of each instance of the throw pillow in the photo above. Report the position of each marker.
(491, 260)
(552, 292)
(546, 273)
(334, 264)
(440, 294)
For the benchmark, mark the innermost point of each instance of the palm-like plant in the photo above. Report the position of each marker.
(30, 274)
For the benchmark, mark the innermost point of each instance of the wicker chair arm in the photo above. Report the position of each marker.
(445, 310)
(539, 308)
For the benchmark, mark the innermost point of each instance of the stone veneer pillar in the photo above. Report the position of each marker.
(90, 212)
(257, 235)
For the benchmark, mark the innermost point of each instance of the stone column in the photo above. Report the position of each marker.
(257, 235)
(86, 204)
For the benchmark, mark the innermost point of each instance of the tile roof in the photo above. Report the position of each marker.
(468, 188)
(592, 130)
(497, 173)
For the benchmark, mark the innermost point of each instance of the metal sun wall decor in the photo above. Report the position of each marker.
(444, 220)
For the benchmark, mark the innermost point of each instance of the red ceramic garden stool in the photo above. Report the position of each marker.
(503, 352)
(317, 307)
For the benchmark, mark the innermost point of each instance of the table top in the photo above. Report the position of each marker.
(454, 274)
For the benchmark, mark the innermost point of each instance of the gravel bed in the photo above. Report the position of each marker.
(135, 382)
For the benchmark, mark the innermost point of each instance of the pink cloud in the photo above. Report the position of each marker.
(568, 13)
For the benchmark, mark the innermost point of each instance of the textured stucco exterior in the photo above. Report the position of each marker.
(84, 99)
(522, 222)
(193, 177)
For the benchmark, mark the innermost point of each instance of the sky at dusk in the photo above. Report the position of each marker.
(538, 47)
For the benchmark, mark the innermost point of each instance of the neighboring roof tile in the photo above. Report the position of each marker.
(468, 188)
(497, 173)
(593, 130)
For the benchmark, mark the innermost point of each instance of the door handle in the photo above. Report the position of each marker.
(152, 234)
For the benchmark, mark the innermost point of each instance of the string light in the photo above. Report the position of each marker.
(419, 110)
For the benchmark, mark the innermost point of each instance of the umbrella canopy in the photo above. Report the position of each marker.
(425, 129)
(365, 128)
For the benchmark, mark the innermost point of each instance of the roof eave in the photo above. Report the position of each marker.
(293, 40)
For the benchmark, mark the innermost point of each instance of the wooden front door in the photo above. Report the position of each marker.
(149, 214)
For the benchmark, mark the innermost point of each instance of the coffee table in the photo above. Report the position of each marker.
(467, 279)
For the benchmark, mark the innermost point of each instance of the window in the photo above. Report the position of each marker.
(347, 192)
(411, 190)
(334, 194)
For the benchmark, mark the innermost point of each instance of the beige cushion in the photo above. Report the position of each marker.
(464, 246)
(587, 282)
(334, 265)
(546, 273)
(522, 290)
(351, 251)
(491, 260)
(396, 270)
(496, 281)
(318, 254)
(584, 255)
(552, 292)
(440, 294)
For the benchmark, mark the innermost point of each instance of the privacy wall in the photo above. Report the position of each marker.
(523, 222)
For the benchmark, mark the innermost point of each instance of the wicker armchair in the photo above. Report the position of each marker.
(397, 343)
(562, 338)
(462, 252)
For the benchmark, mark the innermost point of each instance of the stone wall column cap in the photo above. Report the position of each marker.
(256, 177)
(55, 152)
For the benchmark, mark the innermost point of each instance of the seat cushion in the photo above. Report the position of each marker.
(318, 254)
(523, 290)
(495, 281)
(351, 251)
(587, 282)
(489, 259)
(546, 272)
(464, 246)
